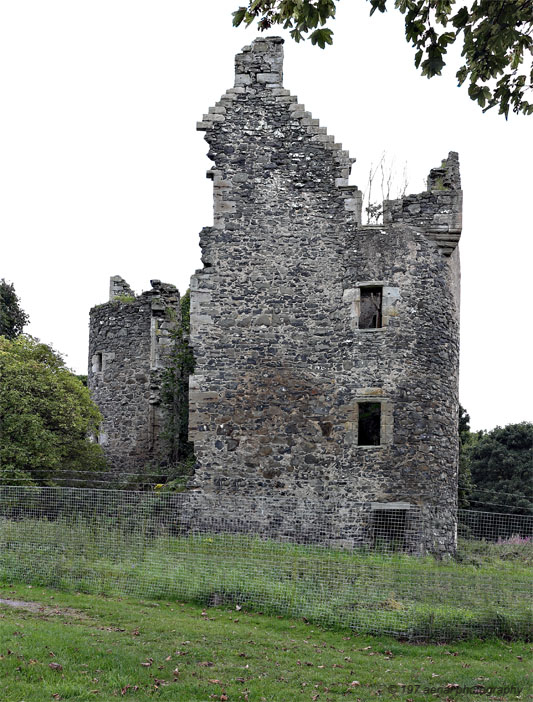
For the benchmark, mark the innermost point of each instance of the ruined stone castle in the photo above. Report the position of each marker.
(326, 351)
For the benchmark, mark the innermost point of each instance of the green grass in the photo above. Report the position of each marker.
(487, 593)
(101, 644)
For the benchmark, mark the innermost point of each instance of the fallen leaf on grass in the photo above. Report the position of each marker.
(214, 681)
(355, 683)
(129, 687)
(148, 662)
(206, 664)
(55, 666)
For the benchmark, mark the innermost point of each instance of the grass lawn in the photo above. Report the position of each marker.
(71, 646)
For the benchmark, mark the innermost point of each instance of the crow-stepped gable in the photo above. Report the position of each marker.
(326, 351)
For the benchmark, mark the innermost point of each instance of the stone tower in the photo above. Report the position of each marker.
(326, 351)
(129, 346)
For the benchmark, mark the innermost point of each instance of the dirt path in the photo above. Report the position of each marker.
(39, 607)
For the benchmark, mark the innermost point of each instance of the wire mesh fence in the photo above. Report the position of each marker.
(280, 557)
(494, 526)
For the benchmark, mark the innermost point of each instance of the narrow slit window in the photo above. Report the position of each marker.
(97, 363)
(370, 315)
(369, 424)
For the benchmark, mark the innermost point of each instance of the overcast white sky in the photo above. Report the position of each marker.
(103, 173)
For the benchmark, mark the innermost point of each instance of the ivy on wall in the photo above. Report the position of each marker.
(175, 399)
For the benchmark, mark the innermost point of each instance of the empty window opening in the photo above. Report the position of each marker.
(97, 363)
(369, 424)
(326, 428)
(389, 528)
(370, 314)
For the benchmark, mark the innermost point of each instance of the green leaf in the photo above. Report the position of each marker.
(296, 35)
(462, 74)
(238, 16)
(434, 63)
(380, 5)
(446, 38)
(321, 37)
(461, 18)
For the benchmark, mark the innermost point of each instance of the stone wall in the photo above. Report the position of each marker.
(438, 211)
(284, 368)
(130, 339)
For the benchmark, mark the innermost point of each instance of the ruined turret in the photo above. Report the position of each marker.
(130, 341)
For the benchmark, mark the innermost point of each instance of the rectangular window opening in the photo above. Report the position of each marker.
(370, 314)
(389, 529)
(369, 424)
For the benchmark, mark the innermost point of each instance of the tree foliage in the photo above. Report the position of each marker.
(466, 439)
(496, 35)
(12, 317)
(500, 462)
(46, 416)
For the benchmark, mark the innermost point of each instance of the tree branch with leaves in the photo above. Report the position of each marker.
(496, 36)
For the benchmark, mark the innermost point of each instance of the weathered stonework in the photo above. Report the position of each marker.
(130, 339)
(284, 364)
